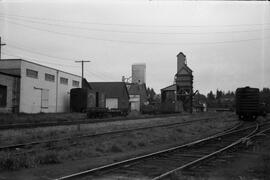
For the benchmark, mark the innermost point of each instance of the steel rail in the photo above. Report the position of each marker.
(207, 156)
(75, 122)
(230, 131)
(13, 146)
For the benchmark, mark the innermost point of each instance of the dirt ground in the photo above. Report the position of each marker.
(94, 152)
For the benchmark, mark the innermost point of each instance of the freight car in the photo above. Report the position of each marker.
(82, 99)
(248, 105)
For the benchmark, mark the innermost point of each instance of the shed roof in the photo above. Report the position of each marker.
(170, 88)
(111, 89)
(135, 89)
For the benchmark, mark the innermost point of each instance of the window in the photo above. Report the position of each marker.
(63, 80)
(75, 83)
(49, 77)
(3, 96)
(31, 73)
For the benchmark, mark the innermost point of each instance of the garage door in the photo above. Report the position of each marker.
(111, 103)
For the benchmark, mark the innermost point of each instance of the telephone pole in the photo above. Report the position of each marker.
(1, 46)
(82, 69)
(79, 125)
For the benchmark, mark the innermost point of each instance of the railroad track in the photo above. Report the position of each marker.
(162, 164)
(207, 169)
(84, 121)
(79, 137)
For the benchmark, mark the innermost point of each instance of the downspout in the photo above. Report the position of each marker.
(56, 100)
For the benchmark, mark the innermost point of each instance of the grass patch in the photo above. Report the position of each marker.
(49, 157)
(115, 149)
(10, 161)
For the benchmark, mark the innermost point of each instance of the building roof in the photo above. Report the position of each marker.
(181, 54)
(38, 65)
(135, 89)
(86, 85)
(7, 74)
(170, 88)
(111, 89)
(186, 68)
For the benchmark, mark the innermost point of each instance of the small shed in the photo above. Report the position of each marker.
(117, 96)
(137, 95)
(169, 103)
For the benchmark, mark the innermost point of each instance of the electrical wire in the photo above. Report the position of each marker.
(136, 42)
(45, 62)
(139, 32)
(132, 25)
(39, 53)
(100, 75)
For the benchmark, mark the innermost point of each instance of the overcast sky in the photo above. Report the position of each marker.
(226, 43)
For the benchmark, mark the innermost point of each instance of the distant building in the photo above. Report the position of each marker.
(168, 100)
(184, 83)
(178, 97)
(137, 96)
(117, 96)
(41, 88)
(139, 73)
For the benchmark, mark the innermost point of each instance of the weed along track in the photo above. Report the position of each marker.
(75, 121)
(162, 163)
(90, 135)
(108, 145)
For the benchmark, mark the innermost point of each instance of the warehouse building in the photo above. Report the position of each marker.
(41, 88)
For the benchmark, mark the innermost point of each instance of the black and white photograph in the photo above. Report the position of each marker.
(134, 90)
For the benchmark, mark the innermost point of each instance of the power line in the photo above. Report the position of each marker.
(136, 42)
(39, 53)
(139, 32)
(131, 25)
(96, 75)
(100, 75)
(46, 62)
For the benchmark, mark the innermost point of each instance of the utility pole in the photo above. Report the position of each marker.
(82, 69)
(79, 125)
(1, 46)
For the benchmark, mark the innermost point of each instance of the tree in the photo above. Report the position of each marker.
(210, 96)
(150, 94)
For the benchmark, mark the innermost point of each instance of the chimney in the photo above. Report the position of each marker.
(181, 60)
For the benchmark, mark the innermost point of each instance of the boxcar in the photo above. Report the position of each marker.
(82, 99)
(247, 101)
